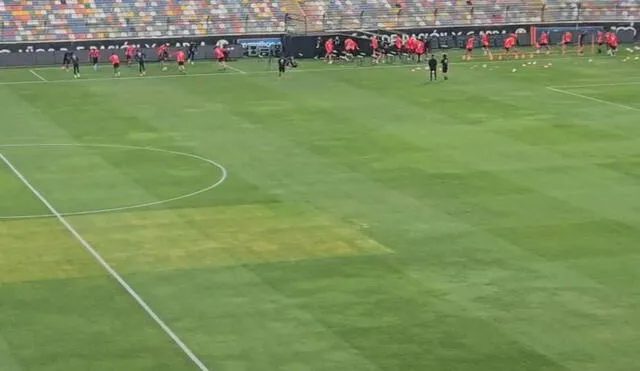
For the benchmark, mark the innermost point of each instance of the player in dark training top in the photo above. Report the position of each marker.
(433, 67)
(191, 53)
(76, 65)
(581, 38)
(445, 66)
(282, 66)
(66, 60)
(141, 58)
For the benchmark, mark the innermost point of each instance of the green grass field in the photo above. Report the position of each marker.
(342, 218)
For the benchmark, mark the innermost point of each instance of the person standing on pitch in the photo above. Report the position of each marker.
(445, 66)
(76, 65)
(433, 66)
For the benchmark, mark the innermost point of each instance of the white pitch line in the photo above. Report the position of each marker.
(236, 69)
(594, 99)
(38, 76)
(596, 85)
(106, 266)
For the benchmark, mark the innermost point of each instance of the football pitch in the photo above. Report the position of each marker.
(340, 218)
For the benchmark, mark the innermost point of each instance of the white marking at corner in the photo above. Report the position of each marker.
(107, 267)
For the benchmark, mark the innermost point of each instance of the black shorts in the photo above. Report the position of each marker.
(281, 68)
(128, 58)
(221, 59)
(469, 50)
(94, 60)
(445, 69)
(507, 49)
(613, 47)
(66, 61)
(116, 65)
(544, 45)
(567, 43)
(180, 63)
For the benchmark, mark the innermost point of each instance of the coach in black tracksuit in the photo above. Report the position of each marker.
(433, 68)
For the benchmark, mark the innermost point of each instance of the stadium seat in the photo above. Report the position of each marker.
(43, 20)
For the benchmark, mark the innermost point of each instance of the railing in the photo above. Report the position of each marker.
(327, 20)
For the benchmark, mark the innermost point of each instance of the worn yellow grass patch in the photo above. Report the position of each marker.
(220, 236)
(39, 249)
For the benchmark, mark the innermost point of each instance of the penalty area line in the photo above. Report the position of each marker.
(619, 105)
(106, 265)
(34, 73)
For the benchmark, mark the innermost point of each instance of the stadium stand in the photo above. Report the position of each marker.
(42, 20)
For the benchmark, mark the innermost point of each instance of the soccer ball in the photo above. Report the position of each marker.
(484, 66)
(513, 70)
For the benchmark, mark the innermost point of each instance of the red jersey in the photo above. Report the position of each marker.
(328, 46)
(412, 43)
(131, 50)
(470, 42)
(180, 57)
(219, 52)
(600, 37)
(163, 50)
(544, 39)
(374, 43)
(485, 40)
(509, 43)
(420, 47)
(398, 42)
(350, 45)
(94, 53)
(566, 38)
(115, 59)
(613, 40)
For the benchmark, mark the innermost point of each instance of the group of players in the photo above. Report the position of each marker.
(135, 55)
(414, 48)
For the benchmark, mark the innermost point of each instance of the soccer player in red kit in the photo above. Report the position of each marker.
(420, 49)
(115, 62)
(220, 56)
(398, 45)
(180, 59)
(544, 42)
(163, 55)
(486, 45)
(328, 49)
(612, 42)
(469, 48)
(412, 44)
(375, 45)
(509, 43)
(600, 39)
(566, 41)
(350, 48)
(130, 53)
(94, 57)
